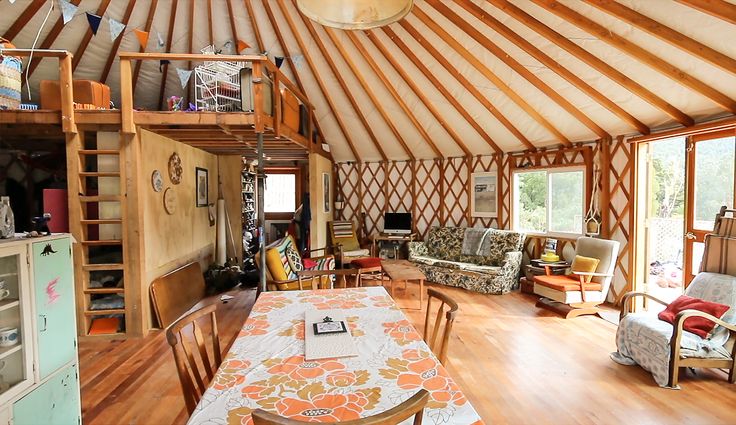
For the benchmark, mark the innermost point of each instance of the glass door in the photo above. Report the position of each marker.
(16, 352)
(711, 183)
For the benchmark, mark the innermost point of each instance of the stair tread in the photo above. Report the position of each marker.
(103, 266)
(99, 198)
(104, 242)
(102, 221)
(99, 152)
(104, 291)
(100, 173)
(104, 312)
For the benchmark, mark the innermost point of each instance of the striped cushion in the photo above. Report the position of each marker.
(342, 229)
(719, 256)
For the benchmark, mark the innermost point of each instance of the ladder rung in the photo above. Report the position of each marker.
(97, 267)
(103, 242)
(100, 198)
(99, 152)
(104, 312)
(103, 221)
(100, 174)
(104, 291)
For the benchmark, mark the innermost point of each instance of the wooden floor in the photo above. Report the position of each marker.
(517, 364)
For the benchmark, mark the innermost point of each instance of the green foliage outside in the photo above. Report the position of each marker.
(565, 201)
(532, 192)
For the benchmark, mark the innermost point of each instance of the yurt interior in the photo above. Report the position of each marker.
(367, 212)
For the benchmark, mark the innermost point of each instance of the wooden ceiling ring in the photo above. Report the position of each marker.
(395, 95)
(340, 80)
(666, 34)
(25, 16)
(594, 62)
(638, 53)
(88, 36)
(165, 70)
(518, 67)
(552, 64)
(367, 89)
(318, 78)
(452, 70)
(116, 44)
(717, 8)
(427, 103)
(149, 22)
(254, 25)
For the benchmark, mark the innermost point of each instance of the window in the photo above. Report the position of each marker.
(549, 201)
(280, 193)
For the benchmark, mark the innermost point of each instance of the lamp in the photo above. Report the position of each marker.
(355, 14)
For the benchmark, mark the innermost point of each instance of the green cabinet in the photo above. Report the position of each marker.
(53, 287)
(55, 402)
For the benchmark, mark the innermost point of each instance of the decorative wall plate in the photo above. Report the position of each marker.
(175, 168)
(157, 181)
(170, 201)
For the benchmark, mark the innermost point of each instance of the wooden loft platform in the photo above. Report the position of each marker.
(232, 133)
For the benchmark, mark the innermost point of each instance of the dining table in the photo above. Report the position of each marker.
(266, 368)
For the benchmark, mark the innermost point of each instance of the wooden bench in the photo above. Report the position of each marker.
(174, 293)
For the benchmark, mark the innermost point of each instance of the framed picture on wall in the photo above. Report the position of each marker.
(202, 188)
(326, 191)
(484, 195)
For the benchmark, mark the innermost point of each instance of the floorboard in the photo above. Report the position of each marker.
(516, 364)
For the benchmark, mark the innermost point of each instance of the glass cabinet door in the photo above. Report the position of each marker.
(16, 352)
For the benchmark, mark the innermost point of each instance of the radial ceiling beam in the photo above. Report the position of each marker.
(233, 27)
(49, 40)
(552, 64)
(149, 22)
(318, 77)
(639, 53)
(427, 103)
(23, 18)
(397, 97)
(341, 81)
(482, 68)
(190, 45)
(116, 43)
(289, 60)
(88, 36)
(165, 71)
(254, 25)
(718, 8)
(211, 32)
(518, 67)
(583, 55)
(666, 34)
(368, 90)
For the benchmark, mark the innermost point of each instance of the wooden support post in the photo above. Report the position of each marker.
(469, 189)
(73, 145)
(498, 159)
(605, 196)
(258, 101)
(134, 255)
(442, 191)
(67, 94)
(261, 179)
(276, 105)
(414, 195)
(126, 97)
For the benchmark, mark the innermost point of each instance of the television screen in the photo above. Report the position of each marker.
(394, 222)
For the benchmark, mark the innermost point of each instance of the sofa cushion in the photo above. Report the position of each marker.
(445, 242)
(503, 241)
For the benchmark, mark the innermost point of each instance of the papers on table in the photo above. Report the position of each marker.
(329, 346)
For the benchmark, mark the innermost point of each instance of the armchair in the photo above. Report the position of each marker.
(283, 264)
(344, 242)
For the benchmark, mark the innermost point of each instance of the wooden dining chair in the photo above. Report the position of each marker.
(193, 381)
(411, 407)
(316, 281)
(449, 307)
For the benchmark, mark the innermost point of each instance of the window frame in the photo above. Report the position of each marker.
(296, 171)
(550, 170)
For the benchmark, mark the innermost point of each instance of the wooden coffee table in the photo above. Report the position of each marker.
(404, 270)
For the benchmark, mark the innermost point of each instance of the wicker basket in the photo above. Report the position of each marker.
(10, 78)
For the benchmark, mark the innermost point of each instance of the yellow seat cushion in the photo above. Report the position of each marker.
(584, 264)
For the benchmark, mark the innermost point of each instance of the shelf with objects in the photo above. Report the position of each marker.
(249, 217)
(392, 242)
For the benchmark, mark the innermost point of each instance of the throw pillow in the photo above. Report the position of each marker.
(584, 264)
(700, 326)
(309, 264)
(295, 260)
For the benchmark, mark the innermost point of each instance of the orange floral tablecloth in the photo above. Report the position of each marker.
(265, 367)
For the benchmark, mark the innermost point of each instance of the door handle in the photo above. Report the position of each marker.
(690, 235)
(44, 323)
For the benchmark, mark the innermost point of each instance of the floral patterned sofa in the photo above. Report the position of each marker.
(440, 258)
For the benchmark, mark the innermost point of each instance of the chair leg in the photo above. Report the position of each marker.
(732, 375)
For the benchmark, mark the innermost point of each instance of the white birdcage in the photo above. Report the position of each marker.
(217, 84)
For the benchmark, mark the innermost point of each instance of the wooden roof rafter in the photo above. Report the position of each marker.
(210, 20)
(718, 8)
(396, 96)
(48, 41)
(233, 27)
(552, 64)
(190, 45)
(517, 67)
(29, 12)
(116, 44)
(666, 34)
(638, 53)
(427, 103)
(487, 73)
(254, 24)
(88, 36)
(367, 89)
(149, 23)
(325, 92)
(165, 70)
(593, 61)
(341, 81)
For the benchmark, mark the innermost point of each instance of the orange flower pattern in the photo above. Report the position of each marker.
(266, 368)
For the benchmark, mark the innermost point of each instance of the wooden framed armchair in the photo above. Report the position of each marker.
(344, 242)
(581, 292)
(283, 264)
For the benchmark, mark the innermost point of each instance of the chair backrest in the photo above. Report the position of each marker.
(193, 381)
(603, 249)
(447, 308)
(411, 407)
(277, 260)
(725, 226)
(719, 255)
(174, 293)
(343, 232)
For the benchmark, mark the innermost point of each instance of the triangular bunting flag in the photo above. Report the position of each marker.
(142, 37)
(161, 64)
(116, 28)
(12, 1)
(94, 22)
(161, 41)
(184, 75)
(242, 45)
(278, 60)
(298, 61)
(228, 45)
(68, 10)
